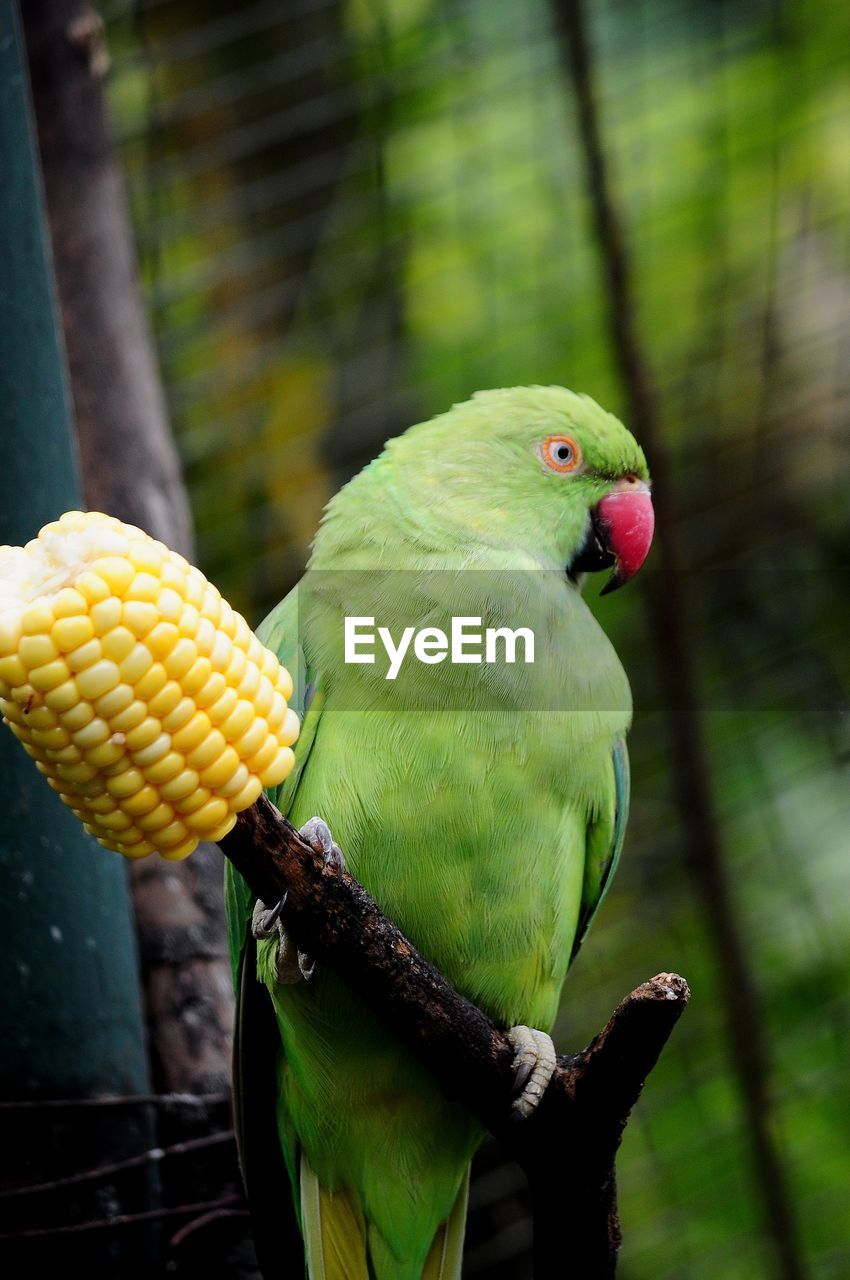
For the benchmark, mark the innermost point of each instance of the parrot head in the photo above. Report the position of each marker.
(539, 469)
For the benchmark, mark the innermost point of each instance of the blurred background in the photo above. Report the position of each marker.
(351, 213)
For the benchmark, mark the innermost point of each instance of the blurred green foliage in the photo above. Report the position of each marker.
(352, 214)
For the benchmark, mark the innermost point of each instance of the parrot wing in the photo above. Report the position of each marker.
(604, 846)
(267, 1155)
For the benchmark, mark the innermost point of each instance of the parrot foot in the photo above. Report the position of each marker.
(291, 965)
(317, 834)
(534, 1063)
(267, 923)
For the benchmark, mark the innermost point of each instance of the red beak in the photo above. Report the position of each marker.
(624, 521)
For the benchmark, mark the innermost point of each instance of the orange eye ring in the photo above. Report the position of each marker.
(561, 454)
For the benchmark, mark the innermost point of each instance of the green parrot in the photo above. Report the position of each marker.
(481, 801)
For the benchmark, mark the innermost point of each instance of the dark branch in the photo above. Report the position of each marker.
(567, 1147)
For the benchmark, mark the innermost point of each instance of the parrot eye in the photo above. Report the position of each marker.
(560, 453)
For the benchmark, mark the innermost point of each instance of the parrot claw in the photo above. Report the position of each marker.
(317, 833)
(266, 923)
(534, 1063)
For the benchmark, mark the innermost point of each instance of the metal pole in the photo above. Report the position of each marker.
(70, 1010)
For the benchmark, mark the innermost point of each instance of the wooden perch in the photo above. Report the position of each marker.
(567, 1147)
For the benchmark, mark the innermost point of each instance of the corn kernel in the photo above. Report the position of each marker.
(205, 635)
(166, 700)
(156, 819)
(190, 622)
(67, 603)
(33, 651)
(180, 786)
(197, 676)
(104, 756)
(101, 804)
(93, 734)
(195, 800)
(106, 614)
(162, 639)
(218, 833)
(118, 644)
(38, 717)
(85, 656)
(55, 739)
(144, 587)
(250, 682)
(208, 751)
(283, 684)
(12, 670)
(177, 852)
(221, 770)
(70, 633)
(247, 795)
(262, 699)
(141, 802)
(138, 661)
(237, 782)
(115, 821)
(140, 616)
(126, 783)
(79, 773)
(180, 715)
(214, 689)
(250, 742)
(236, 668)
(134, 715)
(134, 850)
(50, 676)
(290, 729)
(173, 574)
(10, 634)
(170, 605)
(153, 752)
(146, 555)
(260, 762)
(152, 681)
(193, 733)
(37, 619)
(172, 835)
(209, 814)
(239, 721)
(116, 572)
(115, 701)
(165, 768)
(144, 734)
(77, 716)
(99, 678)
(278, 710)
(92, 586)
(181, 658)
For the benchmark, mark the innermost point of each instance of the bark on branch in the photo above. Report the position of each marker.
(567, 1147)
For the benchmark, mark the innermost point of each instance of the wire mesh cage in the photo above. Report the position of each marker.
(352, 214)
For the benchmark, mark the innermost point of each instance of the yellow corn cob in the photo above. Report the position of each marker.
(144, 699)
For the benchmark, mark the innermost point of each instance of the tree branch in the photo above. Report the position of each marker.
(567, 1147)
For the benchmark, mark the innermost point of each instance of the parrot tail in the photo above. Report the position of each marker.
(340, 1245)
